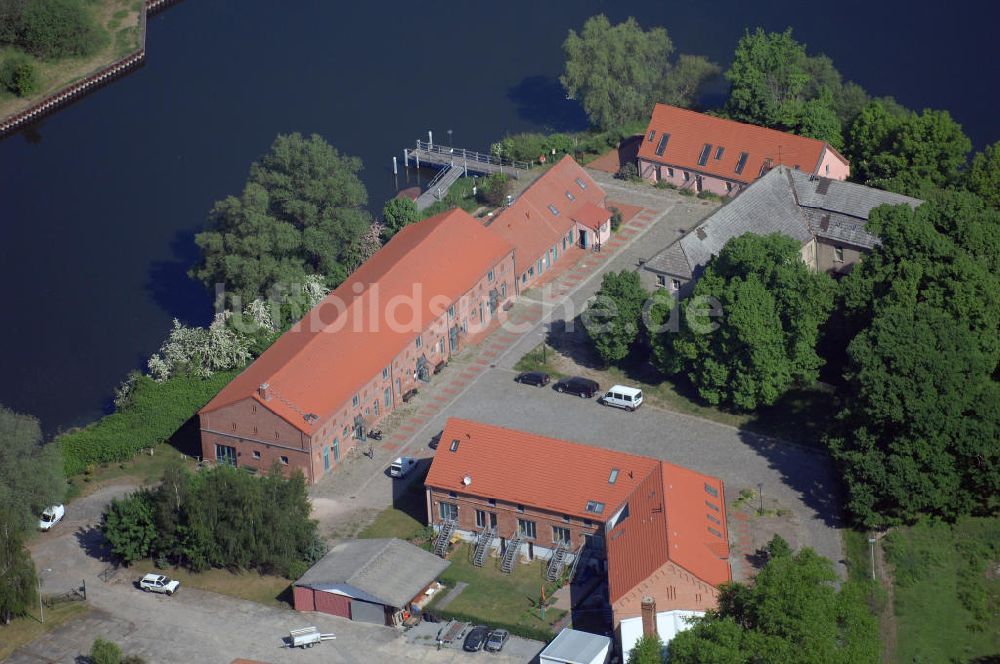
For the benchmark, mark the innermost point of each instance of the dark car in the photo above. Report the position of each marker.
(496, 640)
(536, 378)
(582, 387)
(476, 638)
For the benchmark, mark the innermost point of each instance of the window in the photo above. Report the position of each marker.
(354, 401)
(613, 477)
(553, 209)
(583, 185)
(763, 169)
(531, 271)
(718, 152)
(225, 455)
(256, 454)
(492, 502)
(742, 162)
(838, 254)
(375, 407)
(652, 135)
(675, 284)
(711, 505)
(560, 535)
(588, 523)
(481, 520)
(524, 278)
(420, 342)
(284, 460)
(713, 519)
(454, 445)
(661, 280)
(595, 507)
(715, 532)
(670, 172)
(729, 187)
(687, 176)
(662, 145)
(711, 490)
(539, 266)
(705, 151)
(489, 276)
(385, 374)
(570, 196)
(448, 511)
(387, 397)
(520, 508)
(828, 169)
(452, 494)
(526, 528)
(565, 518)
(451, 311)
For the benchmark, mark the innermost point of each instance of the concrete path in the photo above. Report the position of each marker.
(452, 594)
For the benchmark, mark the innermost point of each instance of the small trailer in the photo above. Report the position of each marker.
(307, 637)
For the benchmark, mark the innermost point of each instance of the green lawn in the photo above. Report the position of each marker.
(493, 597)
(144, 469)
(275, 591)
(393, 522)
(947, 590)
(22, 631)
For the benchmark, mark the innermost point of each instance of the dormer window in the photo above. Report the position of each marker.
(554, 210)
(742, 162)
(652, 134)
(454, 445)
(595, 507)
(580, 183)
(718, 152)
(614, 476)
(570, 196)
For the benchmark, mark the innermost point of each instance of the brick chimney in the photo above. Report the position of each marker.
(264, 391)
(648, 616)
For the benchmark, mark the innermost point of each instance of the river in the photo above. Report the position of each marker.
(99, 202)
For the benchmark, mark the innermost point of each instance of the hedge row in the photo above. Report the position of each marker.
(525, 631)
(156, 412)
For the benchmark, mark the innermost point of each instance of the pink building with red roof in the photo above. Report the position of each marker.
(704, 153)
(658, 529)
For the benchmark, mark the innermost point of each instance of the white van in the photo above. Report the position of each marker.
(622, 396)
(51, 516)
(402, 466)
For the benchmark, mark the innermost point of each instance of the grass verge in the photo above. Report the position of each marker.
(274, 591)
(22, 631)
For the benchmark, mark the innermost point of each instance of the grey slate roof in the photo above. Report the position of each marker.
(575, 647)
(387, 571)
(783, 201)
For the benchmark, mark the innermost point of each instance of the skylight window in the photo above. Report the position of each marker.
(662, 145)
(652, 133)
(705, 151)
(718, 152)
(454, 445)
(614, 476)
(580, 183)
(553, 209)
(570, 196)
(741, 164)
(595, 507)
(711, 490)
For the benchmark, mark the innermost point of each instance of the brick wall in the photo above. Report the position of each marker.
(672, 588)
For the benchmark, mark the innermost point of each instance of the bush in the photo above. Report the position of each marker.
(709, 196)
(494, 189)
(156, 412)
(525, 631)
(628, 172)
(18, 75)
(59, 29)
(105, 652)
(616, 219)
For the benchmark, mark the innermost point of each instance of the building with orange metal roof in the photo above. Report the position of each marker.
(351, 360)
(660, 529)
(704, 153)
(563, 208)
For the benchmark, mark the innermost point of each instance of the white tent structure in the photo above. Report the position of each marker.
(668, 625)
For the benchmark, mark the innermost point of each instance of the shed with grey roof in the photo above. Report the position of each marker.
(370, 580)
(827, 217)
(575, 647)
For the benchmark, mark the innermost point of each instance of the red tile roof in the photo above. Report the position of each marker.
(530, 226)
(668, 518)
(524, 468)
(690, 131)
(591, 215)
(348, 338)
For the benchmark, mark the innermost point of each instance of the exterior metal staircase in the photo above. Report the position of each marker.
(576, 563)
(510, 554)
(556, 562)
(483, 542)
(445, 532)
(438, 187)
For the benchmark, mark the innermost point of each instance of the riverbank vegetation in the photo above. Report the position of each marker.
(221, 518)
(48, 44)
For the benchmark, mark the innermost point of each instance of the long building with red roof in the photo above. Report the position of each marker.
(701, 152)
(660, 528)
(352, 359)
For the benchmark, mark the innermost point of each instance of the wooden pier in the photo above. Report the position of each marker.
(455, 163)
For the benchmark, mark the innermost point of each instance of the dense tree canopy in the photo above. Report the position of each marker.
(396, 214)
(983, 177)
(301, 212)
(613, 320)
(921, 423)
(618, 72)
(792, 614)
(770, 307)
(17, 74)
(51, 28)
(898, 150)
(647, 650)
(223, 517)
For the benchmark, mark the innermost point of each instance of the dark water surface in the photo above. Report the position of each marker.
(99, 203)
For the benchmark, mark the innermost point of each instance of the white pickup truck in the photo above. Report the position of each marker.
(402, 466)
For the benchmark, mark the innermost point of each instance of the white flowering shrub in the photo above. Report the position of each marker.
(199, 351)
(314, 289)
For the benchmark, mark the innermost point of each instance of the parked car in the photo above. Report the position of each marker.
(51, 516)
(157, 583)
(536, 378)
(475, 639)
(622, 396)
(496, 640)
(582, 387)
(402, 466)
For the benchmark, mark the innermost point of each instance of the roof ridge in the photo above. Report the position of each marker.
(743, 124)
